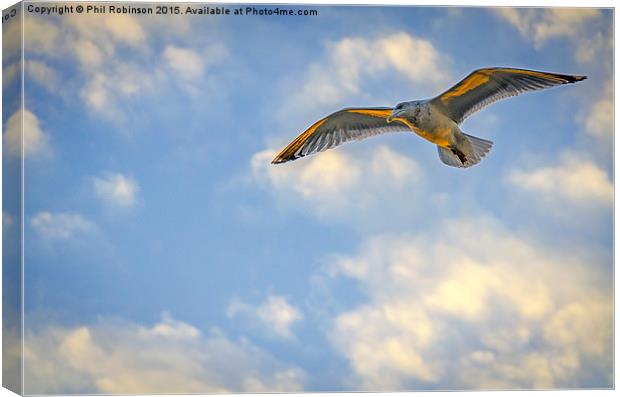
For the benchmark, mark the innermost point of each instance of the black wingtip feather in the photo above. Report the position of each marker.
(574, 79)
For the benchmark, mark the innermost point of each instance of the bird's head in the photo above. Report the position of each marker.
(399, 112)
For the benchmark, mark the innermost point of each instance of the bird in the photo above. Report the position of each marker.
(437, 119)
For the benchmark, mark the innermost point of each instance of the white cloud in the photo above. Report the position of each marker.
(88, 54)
(576, 180)
(8, 221)
(35, 140)
(541, 25)
(61, 225)
(399, 49)
(116, 189)
(592, 49)
(333, 181)
(12, 38)
(350, 63)
(110, 87)
(116, 357)
(598, 119)
(11, 355)
(276, 314)
(108, 82)
(187, 63)
(470, 305)
(109, 28)
(42, 74)
(10, 73)
(42, 36)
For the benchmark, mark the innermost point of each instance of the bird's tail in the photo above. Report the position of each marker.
(468, 153)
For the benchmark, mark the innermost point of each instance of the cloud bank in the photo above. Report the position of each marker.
(334, 183)
(113, 356)
(471, 305)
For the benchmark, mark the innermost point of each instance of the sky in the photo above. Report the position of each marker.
(164, 253)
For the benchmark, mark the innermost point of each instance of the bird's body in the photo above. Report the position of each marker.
(429, 123)
(437, 120)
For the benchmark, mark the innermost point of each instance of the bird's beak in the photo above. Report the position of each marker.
(392, 116)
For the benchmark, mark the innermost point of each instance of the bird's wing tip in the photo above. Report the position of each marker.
(579, 78)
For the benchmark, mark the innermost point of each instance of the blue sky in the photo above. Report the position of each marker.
(161, 244)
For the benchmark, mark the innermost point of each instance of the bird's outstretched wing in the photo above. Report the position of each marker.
(337, 128)
(485, 86)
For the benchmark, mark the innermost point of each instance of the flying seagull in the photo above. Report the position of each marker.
(437, 120)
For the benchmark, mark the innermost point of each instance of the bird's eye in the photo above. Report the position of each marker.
(398, 107)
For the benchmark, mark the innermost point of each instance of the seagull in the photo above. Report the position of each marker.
(437, 120)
